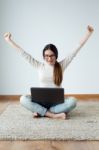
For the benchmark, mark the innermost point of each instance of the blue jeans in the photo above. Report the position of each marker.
(67, 106)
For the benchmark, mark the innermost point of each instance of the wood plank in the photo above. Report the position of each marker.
(49, 145)
(84, 96)
(78, 96)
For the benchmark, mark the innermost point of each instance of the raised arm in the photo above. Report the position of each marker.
(87, 35)
(27, 56)
(65, 62)
(9, 40)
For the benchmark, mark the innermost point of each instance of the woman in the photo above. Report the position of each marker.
(50, 75)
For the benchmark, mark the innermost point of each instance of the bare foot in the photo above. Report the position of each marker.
(35, 115)
(62, 116)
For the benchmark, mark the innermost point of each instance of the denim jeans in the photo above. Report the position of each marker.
(68, 105)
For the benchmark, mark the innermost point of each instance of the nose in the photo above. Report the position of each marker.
(49, 58)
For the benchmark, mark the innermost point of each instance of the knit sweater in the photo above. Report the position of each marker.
(45, 71)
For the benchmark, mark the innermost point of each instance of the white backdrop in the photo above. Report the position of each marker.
(35, 23)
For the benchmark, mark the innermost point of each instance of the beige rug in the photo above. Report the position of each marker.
(17, 123)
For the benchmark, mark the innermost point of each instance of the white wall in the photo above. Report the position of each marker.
(33, 24)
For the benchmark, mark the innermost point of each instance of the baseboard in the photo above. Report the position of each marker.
(78, 96)
(84, 96)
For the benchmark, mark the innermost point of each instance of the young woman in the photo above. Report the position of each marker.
(50, 75)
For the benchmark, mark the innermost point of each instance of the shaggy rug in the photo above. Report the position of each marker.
(17, 123)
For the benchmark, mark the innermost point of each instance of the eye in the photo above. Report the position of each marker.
(51, 56)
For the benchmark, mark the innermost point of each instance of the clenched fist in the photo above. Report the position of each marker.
(7, 36)
(90, 28)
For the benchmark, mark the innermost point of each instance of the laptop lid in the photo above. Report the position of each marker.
(47, 97)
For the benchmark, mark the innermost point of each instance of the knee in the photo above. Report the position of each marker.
(72, 102)
(24, 99)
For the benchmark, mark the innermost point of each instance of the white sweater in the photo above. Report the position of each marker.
(45, 70)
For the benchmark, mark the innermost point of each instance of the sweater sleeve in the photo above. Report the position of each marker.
(35, 63)
(67, 60)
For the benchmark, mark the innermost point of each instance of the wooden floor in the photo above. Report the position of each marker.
(45, 145)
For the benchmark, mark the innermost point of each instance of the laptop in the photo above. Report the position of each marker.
(47, 97)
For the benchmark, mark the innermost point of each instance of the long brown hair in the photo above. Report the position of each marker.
(57, 73)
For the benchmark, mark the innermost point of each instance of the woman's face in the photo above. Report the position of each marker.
(49, 57)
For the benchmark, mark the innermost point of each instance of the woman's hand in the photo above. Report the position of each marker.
(90, 28)
(7, 36)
